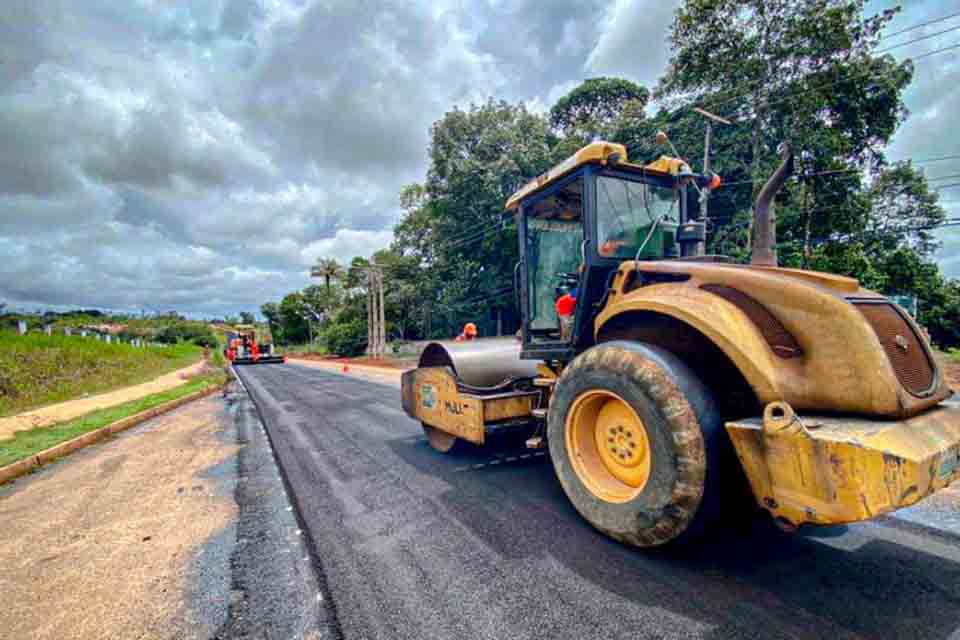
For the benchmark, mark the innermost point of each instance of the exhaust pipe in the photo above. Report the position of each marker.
(765, 222)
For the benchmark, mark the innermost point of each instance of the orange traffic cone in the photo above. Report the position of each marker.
(346, 365)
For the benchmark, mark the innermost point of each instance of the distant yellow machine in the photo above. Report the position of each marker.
(686, 378)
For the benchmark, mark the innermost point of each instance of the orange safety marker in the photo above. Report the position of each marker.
(346, 365)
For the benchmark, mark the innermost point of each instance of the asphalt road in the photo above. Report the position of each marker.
(415, 544)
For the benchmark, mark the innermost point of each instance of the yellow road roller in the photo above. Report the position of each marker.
(670, 385)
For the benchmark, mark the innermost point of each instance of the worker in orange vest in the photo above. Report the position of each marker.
(469, 333)
(566, 308)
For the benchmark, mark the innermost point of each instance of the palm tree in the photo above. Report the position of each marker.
(328, 269)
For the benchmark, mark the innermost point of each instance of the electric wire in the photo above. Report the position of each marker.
(918, 39)
(920, 24)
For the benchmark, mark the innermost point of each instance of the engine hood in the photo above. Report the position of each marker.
(815, 340)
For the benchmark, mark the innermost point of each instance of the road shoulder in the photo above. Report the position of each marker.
(382, 375)
(179, 528)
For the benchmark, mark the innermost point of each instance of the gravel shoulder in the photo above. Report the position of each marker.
(102, 543)
(178, 528)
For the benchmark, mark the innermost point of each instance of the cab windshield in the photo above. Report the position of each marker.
(626, 211)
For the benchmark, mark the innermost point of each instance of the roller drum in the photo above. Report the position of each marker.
(484, 362)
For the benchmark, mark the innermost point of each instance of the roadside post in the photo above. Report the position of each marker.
(21, 327)
(48, 329)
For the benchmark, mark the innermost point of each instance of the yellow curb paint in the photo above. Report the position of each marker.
(22, 467)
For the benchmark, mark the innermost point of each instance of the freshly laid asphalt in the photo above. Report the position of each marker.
(411, 543)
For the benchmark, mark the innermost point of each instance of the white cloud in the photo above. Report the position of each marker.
(200, 155)
(346, 244)
(634, 42)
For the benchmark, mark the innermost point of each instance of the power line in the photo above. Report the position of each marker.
(934, 159)
(473, 234)
(933, 53)
(855, 170)
(919, 39)
(921, 24)
(950, 177)
(878, 74)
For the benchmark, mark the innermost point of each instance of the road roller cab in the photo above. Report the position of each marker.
(682, 379)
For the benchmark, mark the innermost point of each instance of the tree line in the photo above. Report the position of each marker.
(813, 73)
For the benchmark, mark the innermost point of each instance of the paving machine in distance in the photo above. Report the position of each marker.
(243, 347)
(684, 382)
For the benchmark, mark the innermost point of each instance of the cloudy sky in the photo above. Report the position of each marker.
(200, 155)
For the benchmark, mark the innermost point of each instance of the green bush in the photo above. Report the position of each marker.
(347, 339)
(198, 333)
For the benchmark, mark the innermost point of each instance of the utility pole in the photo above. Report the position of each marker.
(370, 327)
(705, 193)
(382, 324)
(376, 315)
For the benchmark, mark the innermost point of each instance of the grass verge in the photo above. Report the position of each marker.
(38, 370)
(298, 349)
(28, 443)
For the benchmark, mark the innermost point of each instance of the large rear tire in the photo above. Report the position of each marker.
(637, 443)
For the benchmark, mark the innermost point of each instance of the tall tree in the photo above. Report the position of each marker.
(293, 318)
(356, 276)
(595, 104)
(478, 158)
(271, 311)
(808, 72)
(797, 70)
(328, 269)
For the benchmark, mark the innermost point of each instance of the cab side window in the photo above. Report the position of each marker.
(554, 232)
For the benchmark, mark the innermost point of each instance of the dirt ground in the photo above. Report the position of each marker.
(953, 374)
(46, 416)
(110, 557)
(385, 363)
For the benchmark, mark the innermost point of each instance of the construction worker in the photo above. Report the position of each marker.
(469, 333)
(566, 307)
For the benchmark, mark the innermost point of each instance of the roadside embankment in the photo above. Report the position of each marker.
(31, 449)
(71, 409)
(38, 370)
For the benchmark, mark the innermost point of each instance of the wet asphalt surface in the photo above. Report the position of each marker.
(257, 578)
(410, 543)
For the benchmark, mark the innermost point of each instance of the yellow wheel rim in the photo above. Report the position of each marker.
(608, 446)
